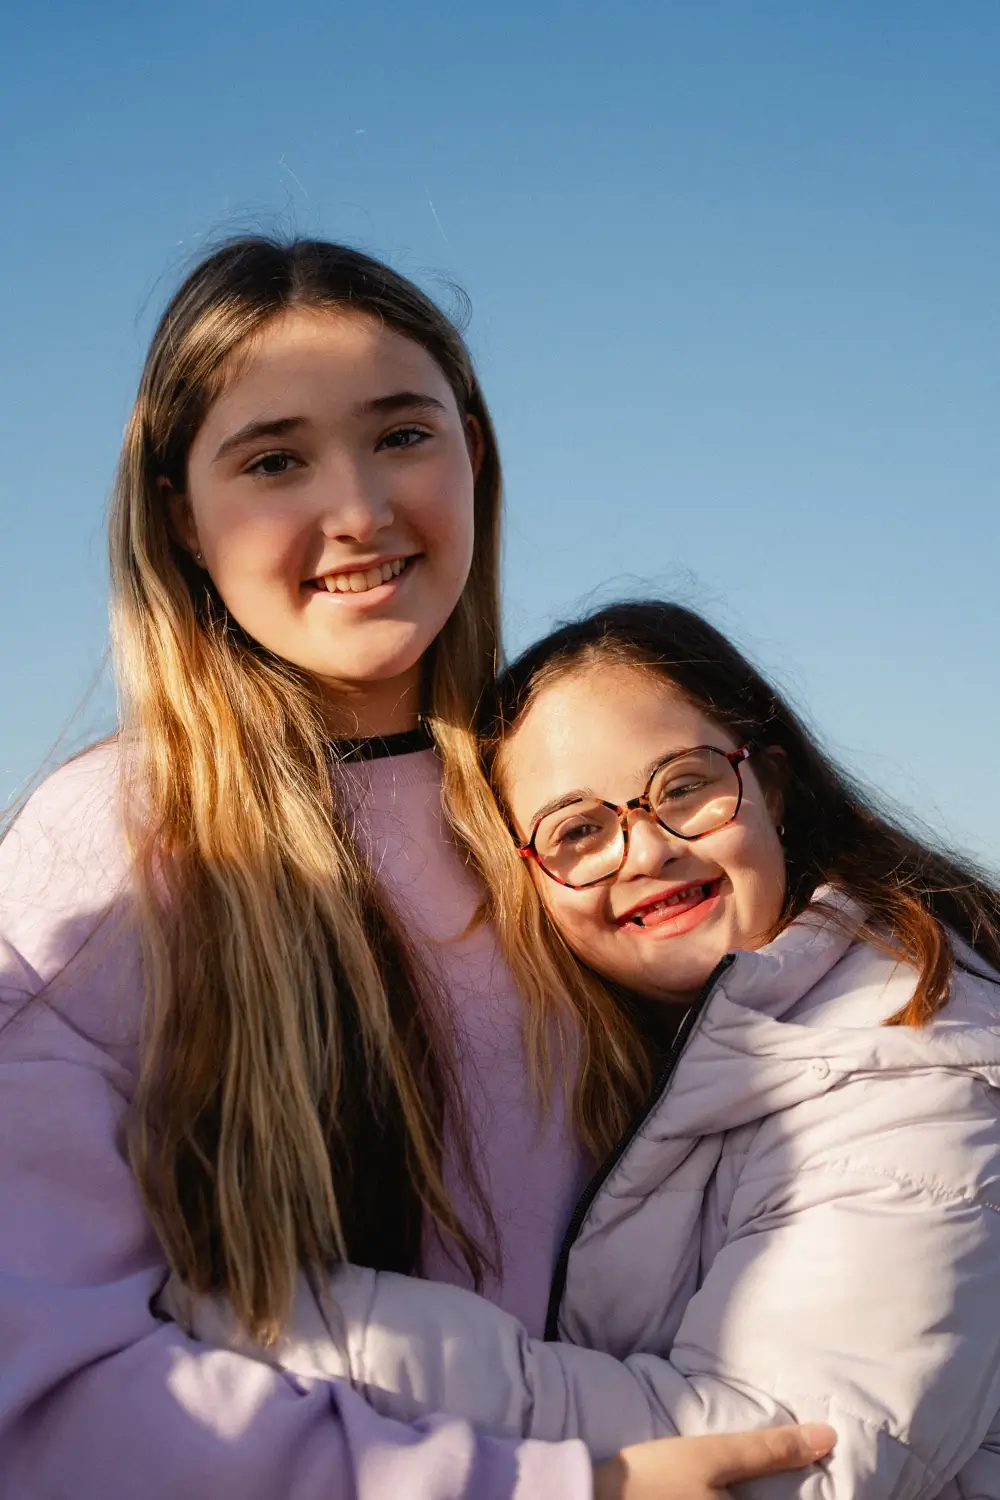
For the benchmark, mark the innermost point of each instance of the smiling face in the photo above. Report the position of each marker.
(675, 908)
(330, 497)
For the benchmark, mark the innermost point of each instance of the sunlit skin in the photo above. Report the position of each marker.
(353, 454)
(598, 731)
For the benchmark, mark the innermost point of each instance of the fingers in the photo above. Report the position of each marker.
(700, 1468)
(745, 1455)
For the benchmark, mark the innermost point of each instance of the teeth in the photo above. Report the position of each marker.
(360, 582)
(668, 901)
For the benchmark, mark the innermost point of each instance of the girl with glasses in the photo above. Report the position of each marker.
(247, 1023)
(802, 1220)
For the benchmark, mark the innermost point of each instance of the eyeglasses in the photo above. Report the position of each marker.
(690, 794)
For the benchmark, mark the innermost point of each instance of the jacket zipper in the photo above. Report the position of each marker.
(660, 1085)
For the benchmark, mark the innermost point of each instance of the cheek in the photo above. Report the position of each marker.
(578, 917)
(247, 541)
(442, 508)
(755, 864)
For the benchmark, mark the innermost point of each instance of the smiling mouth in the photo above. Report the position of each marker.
(686, 899)
(359, 580)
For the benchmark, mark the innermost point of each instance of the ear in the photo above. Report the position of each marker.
(179, 517)
(773, 773)
(476, 444)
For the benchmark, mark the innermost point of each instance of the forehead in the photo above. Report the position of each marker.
(597, 730)
(317, 360)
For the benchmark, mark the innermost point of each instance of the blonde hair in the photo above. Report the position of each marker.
(296, 1076)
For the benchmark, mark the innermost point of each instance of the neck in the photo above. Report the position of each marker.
(363, 710)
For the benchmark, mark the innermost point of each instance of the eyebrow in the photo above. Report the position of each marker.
(400, 401)
(566, 800)
(272, 427)
(582, 793)
(253, 431)
(661, 760)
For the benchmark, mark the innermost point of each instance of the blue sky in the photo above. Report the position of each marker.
(735, 304)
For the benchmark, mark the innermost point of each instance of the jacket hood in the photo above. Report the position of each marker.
(792, 1020)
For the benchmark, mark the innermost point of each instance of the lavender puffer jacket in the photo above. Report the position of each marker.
(805, 1226)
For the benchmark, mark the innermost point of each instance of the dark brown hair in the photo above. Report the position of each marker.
(834, 832)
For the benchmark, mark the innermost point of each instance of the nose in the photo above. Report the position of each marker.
(355, 503)
(650, 845)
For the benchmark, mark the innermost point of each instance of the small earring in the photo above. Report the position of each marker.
(781, 830)
(199, 558)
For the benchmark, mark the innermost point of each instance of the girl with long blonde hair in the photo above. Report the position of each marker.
(252, 1022)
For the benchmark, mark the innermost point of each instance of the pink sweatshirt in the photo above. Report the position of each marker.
(99, 1400)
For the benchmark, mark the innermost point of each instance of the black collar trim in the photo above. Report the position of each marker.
(380, 746)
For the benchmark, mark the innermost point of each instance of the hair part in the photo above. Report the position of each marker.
(834, 832)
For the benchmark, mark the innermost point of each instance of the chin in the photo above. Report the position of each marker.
(398, 653)
(359, 675)
(359, 668)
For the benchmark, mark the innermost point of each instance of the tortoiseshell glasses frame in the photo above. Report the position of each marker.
(618, 850)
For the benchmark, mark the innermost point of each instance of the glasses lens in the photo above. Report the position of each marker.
(580, 843)
(695, 793)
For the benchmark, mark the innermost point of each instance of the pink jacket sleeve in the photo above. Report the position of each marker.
(98, 1399)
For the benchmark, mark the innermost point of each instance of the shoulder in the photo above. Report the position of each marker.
(866, 985)
(975, 989)
(71, 826)
(899, 1104)
(63, 867)
(861, 989)
(849, 1008)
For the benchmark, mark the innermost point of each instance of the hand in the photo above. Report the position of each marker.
(700, 1468)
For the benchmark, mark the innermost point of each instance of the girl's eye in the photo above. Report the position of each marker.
(404, 437)
(269, 465)
(680, 789)
(577, 832)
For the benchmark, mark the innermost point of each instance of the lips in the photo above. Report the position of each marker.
(672, 905)
(360, 580)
